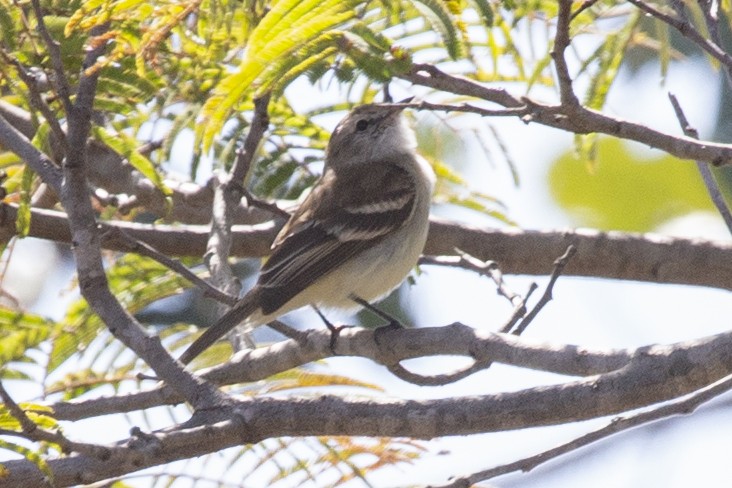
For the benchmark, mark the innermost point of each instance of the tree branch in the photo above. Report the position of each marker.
(687, 30)
(132, 245)
(573, 118)
(54, 52)
(709, 181)
(613, 255)
(86, 241)
(227, 194)
(559, 264)
(12, 139)
(33, 432)
(654, 374)
(617, 425)
(485, 268)
(314, 345)
(245, 155)
(561, 42)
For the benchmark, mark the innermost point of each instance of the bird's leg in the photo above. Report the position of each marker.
(392, 322)
(335, 330)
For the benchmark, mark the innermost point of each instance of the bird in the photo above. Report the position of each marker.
(357, 234)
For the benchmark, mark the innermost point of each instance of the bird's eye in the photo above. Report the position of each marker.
(362, 124)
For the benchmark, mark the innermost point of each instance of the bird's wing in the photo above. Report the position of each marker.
(334, 224)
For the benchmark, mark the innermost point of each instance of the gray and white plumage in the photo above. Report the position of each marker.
(359, 232)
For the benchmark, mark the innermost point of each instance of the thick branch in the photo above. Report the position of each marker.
(403, 344)
(86, 240)
(615, 255)
(16, 142)
(654, 374)
(574, 118)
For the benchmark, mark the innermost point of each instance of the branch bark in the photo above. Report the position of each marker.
(455, 339)
(652, 374)
(613, 255)
(573, 118)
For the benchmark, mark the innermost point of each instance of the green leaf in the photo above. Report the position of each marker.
(376, 40)
(486, 11)
(664, 53)
(77, 383)
(624, 192)
(127, 147)
(8, 33)
(283, 72)
(611, 55)
(443, 21)
(20, 332)
(372, 64)
(585, 145)
(23, 220)
(136, 281)
(289, 25)
(31, 456)
(447, 173)
(41, 415)
(473, 202)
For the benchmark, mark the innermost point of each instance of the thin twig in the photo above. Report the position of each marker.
(227, 194)
(706, 172)
(271, 207)
(140, 247)
(618, 424)
(80, 112)
(574, 118)
(31, 82)
(245, 158)
(33, 432)
(687, 30)
(431, 76)
(466, 108)
(13, 140)
(559, 265)
(490, 269)
(26, 423)
(245, 155)
(54, 53)
(519, 310)
(287, 331)
(561, 42)
(587, 4)
(710, 9)
(219, 241)
(433, 380)
(484, 268)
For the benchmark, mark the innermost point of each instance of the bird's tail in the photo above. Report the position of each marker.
(237, 314)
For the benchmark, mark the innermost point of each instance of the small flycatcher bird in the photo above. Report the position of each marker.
(357, 234)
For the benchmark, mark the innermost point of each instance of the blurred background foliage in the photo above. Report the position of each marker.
(626, 191)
